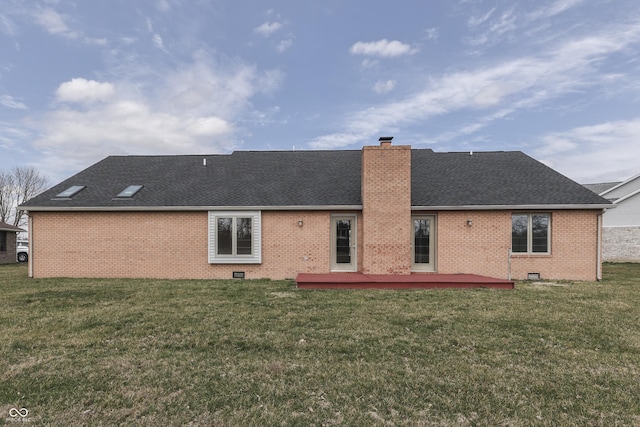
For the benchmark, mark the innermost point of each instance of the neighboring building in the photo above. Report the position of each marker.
(384, 209)
(8, 238)
(621, 226)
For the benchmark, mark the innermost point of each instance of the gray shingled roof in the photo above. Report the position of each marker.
(313, 178)
(507, 178)
(601, 187)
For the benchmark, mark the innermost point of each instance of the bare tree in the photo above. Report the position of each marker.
(16, 187)
(6, 195)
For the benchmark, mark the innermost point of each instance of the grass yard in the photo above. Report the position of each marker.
(156, 352)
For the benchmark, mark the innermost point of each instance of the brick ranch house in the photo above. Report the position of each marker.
(385, 209)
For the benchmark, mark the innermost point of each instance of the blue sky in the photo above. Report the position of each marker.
(557, 79)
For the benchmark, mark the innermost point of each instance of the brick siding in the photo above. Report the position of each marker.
(483, 247)
(170, 245)
(174, 245)
(386, 210)
(621, 244)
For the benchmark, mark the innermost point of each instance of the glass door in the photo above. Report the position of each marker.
(423, 253)
(343, 243)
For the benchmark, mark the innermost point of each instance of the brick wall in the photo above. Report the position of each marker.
(483, 247)
(174, 245)
(386, 209)
(479, 248)
(621, 244)
(170, 245)
(574, 249)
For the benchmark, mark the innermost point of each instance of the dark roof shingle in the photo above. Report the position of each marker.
(313, 178)
(507, 178)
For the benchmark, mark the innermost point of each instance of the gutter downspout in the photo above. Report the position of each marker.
(599, 247)
(30, 259)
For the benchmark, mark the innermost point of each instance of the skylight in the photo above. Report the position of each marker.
(130, 191)
(70, 192)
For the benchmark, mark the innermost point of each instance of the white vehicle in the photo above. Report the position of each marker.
(22, 251)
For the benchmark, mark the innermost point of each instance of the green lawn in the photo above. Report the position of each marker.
(159, 352)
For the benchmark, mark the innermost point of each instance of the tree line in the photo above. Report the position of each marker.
(17, 186)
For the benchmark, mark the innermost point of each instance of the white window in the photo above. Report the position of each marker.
(235, 237)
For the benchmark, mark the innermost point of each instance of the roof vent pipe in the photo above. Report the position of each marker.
(204, 162)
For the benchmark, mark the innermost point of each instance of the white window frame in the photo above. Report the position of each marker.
(529, 216)
(256, 238)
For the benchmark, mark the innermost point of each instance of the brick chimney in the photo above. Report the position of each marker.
(386, 208)
(385, 141)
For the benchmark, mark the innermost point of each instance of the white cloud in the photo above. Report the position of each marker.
(601, 152)
(53, 22)
(96, 41)
(192, 109)
(490, 27)
(528, 82)
(370, 63)
(128, 126)
(493, 26)
(557, 7)
(467, 129)
(384, 86)
(505, 23)
(84, 91)
(149, 25)
(474, 21)
(7, 26)
(268, 28)
(157, 41)
(163, 5)
(431, 33)
(11, 136)
(76, 138)
(207, 126)
(339, 140)
(206, 86)
(493, 93)
(382, 48)
(271, 27)
(478, 40)
(284, 44)
(10, 102)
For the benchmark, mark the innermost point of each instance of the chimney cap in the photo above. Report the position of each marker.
(385, 141)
